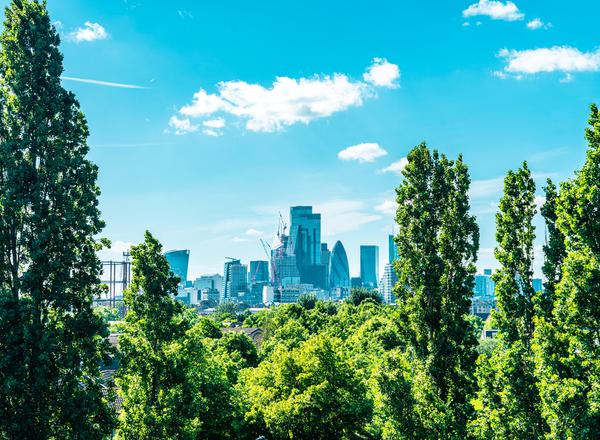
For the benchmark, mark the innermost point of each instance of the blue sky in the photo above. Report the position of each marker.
(497, 81)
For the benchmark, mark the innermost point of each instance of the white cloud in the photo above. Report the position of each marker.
(486, 187)
(89, 32)
(537, 23)
(101, 83)
(214, 123)
(211, 132)
(182, 126)
(362, 153)
(496, 10)
(387, 207)
(288, 101)
(396, 167)
(254, 232)
(382, 73)
(554, 59)
(340, 216)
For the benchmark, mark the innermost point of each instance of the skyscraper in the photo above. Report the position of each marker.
(339, 273)
(392, 249)
(178, 260)
(235, 280)
(387, 283)
(305, 236)
(259, 272)
(369, 264)
(325, 262)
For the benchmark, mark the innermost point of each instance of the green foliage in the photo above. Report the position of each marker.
(566, 342)
(169, 381)
(108, 313)
(437, 243)
(311, 392)
(52, 343)
(307, 300)
(508, 400)
(359, 294)
(476, 324)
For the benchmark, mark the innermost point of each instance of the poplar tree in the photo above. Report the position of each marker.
(567, 348)
(508, 400)
(52, 343)
(437, 243)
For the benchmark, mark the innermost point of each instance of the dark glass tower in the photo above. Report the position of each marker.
(179, 260)
(339, 273)
(369, 266)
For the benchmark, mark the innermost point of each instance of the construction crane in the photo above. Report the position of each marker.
(268, 252)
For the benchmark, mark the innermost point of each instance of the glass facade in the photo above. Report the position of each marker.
(339, 273)
(392, 249)
(259, 272)
(369, 266)
(179, 260)
(387, 283)
(305, 236)
(235, 280)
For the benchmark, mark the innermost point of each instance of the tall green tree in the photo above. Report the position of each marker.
(508, 400)
(554, 251)
(52, 343)
(437, 243)
(171, 386)
(151, 381)
(567, 342)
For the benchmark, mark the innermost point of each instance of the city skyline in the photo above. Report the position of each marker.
(186, 149)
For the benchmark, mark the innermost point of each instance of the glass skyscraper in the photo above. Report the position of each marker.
(179, 260)
(339, 273)
(369, 266)
(305, 236)
(235, 280)
(387, 283)
(259, 272)
(392, 249)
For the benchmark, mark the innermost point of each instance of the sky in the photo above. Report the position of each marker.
(207, 119)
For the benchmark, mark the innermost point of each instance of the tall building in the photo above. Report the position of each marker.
(369, 264)
(325, 262)
(178, 260)
(209, 281)
(259, 272)
(484, 285)
(537, 284)
(387, 283)
(284, 268)
(305, 236)
(339, 273)
(392, 249)
(235, 280)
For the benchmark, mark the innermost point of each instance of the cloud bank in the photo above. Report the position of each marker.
(287, 101)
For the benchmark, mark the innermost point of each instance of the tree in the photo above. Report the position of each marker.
(53, 343)
(508, 399)
(567, 349)
(437, 243)
(360, 294)
(152, 375)
(311, 392)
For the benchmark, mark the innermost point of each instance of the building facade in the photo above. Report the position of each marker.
(392, 249)
(387, 283)
(369, 266)
(178, 261)
(339, 272)
(235, 281)
(305, 236)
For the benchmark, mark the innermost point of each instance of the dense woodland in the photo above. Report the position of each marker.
(356, 369)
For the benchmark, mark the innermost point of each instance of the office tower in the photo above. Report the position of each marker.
(392, 249)
(387, 283)
(356, 282)
(484, 285)
(235, 280)
(369, 264)
(537, 285)
(178, 261)
(284, 268)
(305, 236)
(209, 281)
(339, 273)
(325, 262)
(259, 272)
